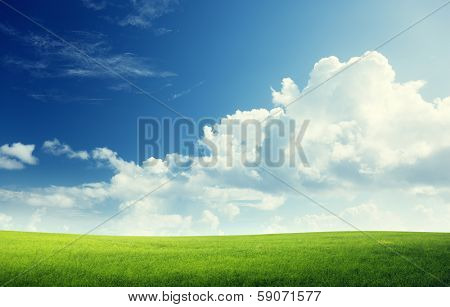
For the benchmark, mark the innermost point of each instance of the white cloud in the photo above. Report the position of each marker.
(16, 155)
(144, 12)
(210, 220)
(57, 200)
(19, 151)
(5, 221)
(289, 92)
(83, 196)
(320, 222)
(36, 219)
(368, 132)
(370, 123)
(10, 164)
(56, 148)
(140, 13)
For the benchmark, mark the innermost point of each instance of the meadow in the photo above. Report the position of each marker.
(308, 259)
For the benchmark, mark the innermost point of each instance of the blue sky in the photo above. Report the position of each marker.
(203, 59)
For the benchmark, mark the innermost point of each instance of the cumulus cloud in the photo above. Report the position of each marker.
(371, 124)
(364, 126)
(16, 155)
(368, 132)
(288, 93)
(10, 164)
(22, 152)
(55, 147)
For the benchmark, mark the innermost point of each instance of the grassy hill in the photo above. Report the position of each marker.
(310, 259)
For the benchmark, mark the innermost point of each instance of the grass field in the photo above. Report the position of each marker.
(311, 259)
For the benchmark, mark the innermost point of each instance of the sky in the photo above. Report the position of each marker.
(72, 80)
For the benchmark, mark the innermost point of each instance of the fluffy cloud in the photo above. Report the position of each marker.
(365, 126)
(368, 132)
(197, 191)
(370, 123)
(16, 155)
(288, 93)
(22, 152)
(56, 148)
(10, 164)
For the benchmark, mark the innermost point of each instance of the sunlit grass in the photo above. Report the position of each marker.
(312, 259)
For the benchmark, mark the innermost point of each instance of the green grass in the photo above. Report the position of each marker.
(311, 259)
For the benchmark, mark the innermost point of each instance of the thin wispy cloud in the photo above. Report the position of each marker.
(35, 68)
(162, 31)
(56, 96)
(134, 13)
(94, 4)
(186, 91)
(56, 59)
(126, 87)
(7, 29)
(144, 12)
